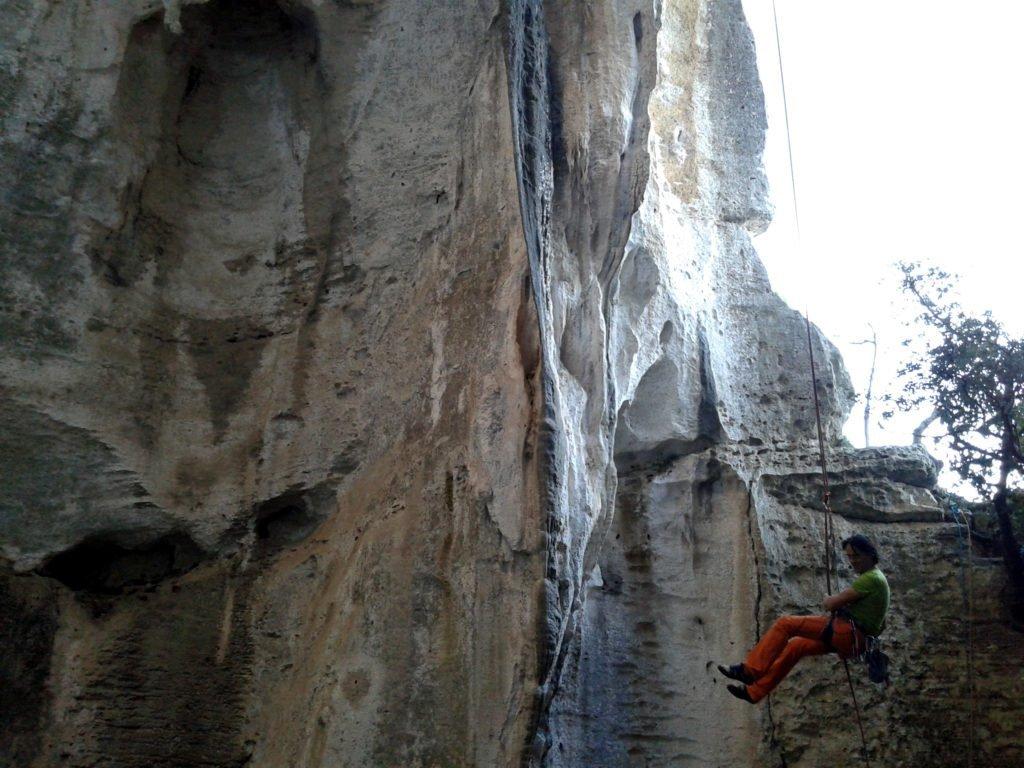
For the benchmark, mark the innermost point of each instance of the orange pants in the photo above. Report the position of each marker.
(789, 640)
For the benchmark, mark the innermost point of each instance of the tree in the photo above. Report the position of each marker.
(972, 374)
(873, 341)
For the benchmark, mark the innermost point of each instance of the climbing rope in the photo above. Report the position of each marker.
(829, 531)
(826, 493)
(785, 114)
(826, 496)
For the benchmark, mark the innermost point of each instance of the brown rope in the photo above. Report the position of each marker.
(856, 709)
(829, 534)
(826, 496)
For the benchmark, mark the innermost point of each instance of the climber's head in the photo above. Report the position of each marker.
(860, 552)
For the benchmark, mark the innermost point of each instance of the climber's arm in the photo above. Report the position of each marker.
(847, 596)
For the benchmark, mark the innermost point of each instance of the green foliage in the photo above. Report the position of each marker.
(1016, 504)
(972, 374)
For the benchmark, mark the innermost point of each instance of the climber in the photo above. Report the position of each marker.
(856, 612)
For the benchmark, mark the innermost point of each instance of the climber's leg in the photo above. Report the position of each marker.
(795, 649)
(763, 655)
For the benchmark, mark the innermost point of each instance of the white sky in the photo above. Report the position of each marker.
(905, 119)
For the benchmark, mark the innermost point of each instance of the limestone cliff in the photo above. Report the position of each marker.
(271, 385)
(394, 383)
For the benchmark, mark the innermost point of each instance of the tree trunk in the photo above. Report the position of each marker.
(919, 432)
(1011, 549)
(871, 383)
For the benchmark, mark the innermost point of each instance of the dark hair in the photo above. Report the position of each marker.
(863, 545)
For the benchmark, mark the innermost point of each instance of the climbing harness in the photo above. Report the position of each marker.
(876, 661)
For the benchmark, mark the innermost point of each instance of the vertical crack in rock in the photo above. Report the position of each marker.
(529, 94)
(633, 158)
(708, 419)
(749, 515)
(544, 164)
(328, 330)
(753, 542)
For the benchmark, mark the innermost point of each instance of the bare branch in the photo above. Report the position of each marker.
(919, 430)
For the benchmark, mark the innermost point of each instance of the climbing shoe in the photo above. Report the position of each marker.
(736, 672)
(740, 692)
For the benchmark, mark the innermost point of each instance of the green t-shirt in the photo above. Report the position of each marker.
(869, 612)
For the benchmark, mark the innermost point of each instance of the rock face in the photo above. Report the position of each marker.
(395, 384)
(272, 385)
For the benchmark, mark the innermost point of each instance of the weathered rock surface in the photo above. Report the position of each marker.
(396, 384)
(270, 375)
(701, 557)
